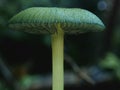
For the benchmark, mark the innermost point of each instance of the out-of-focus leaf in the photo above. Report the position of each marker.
(111, 61)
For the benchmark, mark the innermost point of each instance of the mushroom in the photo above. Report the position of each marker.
(56, 22)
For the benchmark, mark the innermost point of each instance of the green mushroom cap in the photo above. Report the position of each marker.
(45, 19)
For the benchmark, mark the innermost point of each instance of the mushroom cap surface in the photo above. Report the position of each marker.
(45, 20)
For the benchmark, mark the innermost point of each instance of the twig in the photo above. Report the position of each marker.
(10, 80)
(81, 74)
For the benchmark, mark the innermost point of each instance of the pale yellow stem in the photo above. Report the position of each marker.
(58, 59)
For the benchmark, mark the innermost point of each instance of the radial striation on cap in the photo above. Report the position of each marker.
(45, 19)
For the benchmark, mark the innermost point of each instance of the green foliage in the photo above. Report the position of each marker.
(111, 61)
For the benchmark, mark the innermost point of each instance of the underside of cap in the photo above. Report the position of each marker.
(45, 19)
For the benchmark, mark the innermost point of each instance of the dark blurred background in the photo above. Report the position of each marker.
(25, 59)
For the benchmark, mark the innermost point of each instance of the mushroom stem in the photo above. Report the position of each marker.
(58, 59)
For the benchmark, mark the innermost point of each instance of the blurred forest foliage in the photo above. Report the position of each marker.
(28, 53)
